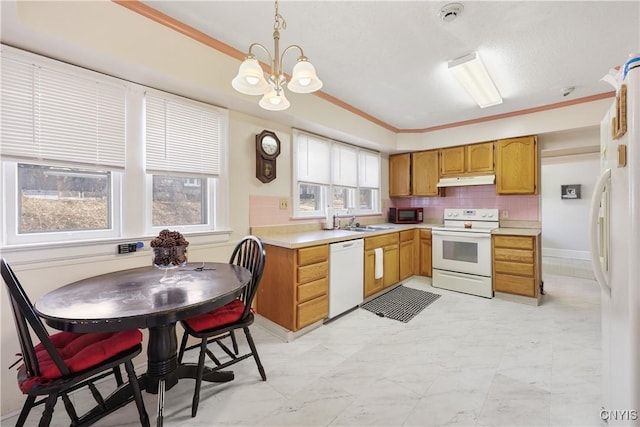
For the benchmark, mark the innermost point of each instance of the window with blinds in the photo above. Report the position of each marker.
(63, 139)
(333, 174)
(182, 145)
(84, 154)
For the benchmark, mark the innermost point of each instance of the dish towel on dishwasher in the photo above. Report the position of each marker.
(379, 271)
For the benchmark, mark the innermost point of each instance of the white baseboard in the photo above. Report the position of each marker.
(566, 253)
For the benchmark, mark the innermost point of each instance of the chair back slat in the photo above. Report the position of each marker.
(27, 320)
(250, 254)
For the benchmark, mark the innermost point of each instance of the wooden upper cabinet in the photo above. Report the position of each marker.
(452, 161)
(400, 174)
(414, 174)
(424, 173)
(479, 158)
(467, 159)
(517, 165)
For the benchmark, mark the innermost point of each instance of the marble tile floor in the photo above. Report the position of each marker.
(464, 361)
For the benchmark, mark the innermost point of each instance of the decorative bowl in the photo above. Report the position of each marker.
(172, 257)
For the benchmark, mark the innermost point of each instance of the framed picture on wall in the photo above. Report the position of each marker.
(570, 191)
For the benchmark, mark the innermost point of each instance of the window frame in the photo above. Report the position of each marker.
(11, 219)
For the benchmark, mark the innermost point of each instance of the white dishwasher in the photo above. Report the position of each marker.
(346, 271)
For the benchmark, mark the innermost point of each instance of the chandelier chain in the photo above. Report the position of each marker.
(280, 22)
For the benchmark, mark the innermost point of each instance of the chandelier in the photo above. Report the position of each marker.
(251, 79)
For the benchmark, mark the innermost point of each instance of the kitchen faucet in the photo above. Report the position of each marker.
(352, 220)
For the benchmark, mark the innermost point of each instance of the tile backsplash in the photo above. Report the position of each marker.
(519, 208)
(265, 210)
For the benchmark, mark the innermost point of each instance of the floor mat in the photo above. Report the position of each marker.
(401, 303)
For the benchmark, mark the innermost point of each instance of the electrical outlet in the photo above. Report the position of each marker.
(505, 214)
(284, 203)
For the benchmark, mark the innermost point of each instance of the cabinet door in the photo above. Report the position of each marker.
(480, 158)
(452, 161)
(517, 166)
(425, 256)
(406, 259)
(425, 173)
(400, 175)
(391, 272)
(371, 285)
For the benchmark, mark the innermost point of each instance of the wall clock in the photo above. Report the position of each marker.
(267, 149)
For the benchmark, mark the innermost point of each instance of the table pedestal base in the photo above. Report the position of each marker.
(163, 370)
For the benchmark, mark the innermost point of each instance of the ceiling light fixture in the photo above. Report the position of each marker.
(251, 79)
(473, 76)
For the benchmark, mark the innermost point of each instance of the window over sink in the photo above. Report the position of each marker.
(335, 174)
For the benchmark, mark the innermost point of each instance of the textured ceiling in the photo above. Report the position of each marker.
(388, 58)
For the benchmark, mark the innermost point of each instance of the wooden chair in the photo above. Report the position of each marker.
(221, 323)
(70, 361)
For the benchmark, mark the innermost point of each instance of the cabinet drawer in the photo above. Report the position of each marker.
(309, 273)
(313, 254)
(514, 268)
(312, 311)
(380, 241)
(425, 234)
(513, 242)
(407, 235)
(313, 289)
(517, 255)
(514, 285)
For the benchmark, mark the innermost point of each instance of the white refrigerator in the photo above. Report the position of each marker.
(615, 246)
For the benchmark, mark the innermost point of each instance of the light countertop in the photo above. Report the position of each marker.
(301, 239)
(512, 231)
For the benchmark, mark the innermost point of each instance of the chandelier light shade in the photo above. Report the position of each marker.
(251, 79)
(274, 101)
(474, 77)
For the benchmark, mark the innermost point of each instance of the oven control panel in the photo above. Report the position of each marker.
(471, 214)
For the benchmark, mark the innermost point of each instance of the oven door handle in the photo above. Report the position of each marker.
(460, 234)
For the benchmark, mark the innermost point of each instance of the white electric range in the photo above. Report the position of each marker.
(462, 251)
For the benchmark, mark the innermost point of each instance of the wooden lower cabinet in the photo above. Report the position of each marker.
(425, 253)
(408, 257)
(391, 273)
(516, 265)
(294, 289)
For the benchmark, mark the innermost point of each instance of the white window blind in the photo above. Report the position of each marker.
(55, 115)
(182, 136)
(313, 159)
(345, 166)
(369, 169)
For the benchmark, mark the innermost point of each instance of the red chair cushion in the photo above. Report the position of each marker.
(79, 352)
(229, 313)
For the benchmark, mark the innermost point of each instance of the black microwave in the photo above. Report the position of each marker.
(406, 215)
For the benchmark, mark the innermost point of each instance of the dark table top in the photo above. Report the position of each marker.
(136, 298)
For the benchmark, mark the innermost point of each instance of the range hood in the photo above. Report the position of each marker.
(467, 180)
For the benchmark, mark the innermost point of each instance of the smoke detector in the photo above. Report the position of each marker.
(451, 11)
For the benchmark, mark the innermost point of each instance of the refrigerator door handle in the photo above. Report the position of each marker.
(602, 182)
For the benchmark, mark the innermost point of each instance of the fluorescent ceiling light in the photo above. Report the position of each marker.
(473, 76)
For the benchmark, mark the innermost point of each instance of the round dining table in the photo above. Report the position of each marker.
(147, 298)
